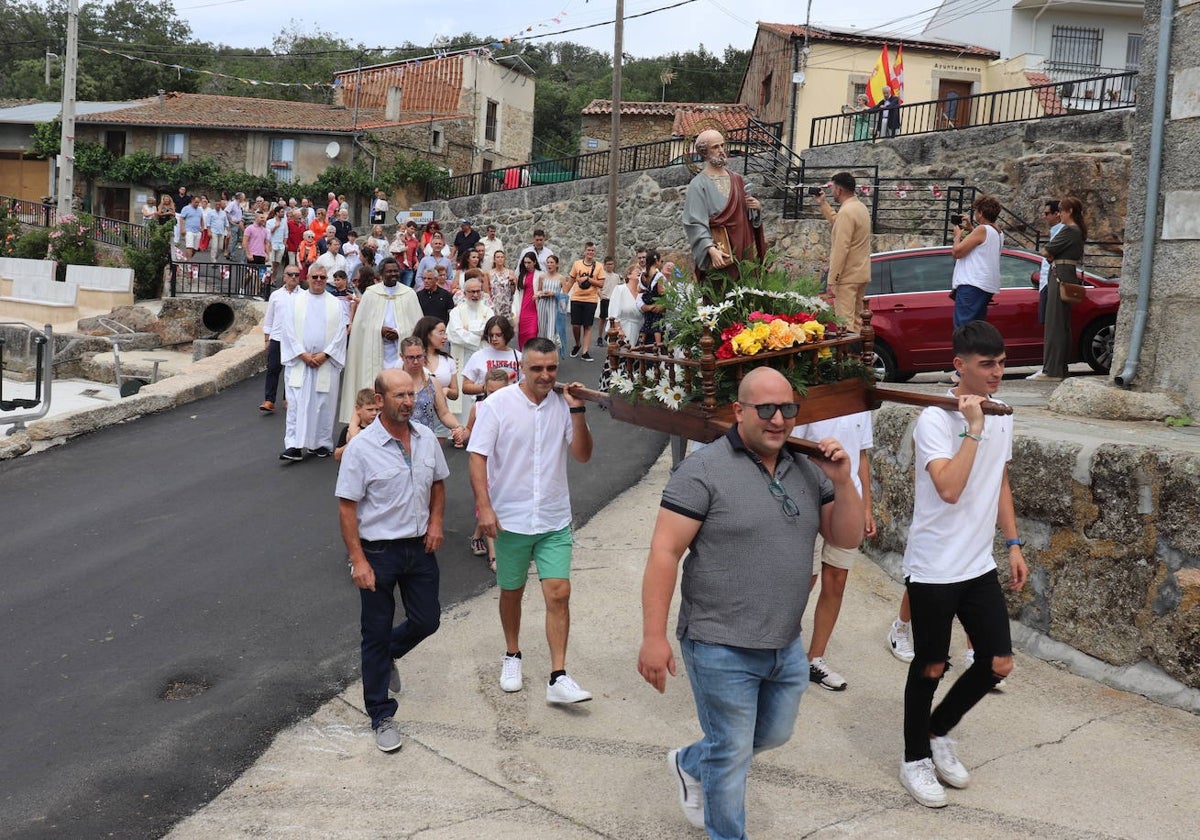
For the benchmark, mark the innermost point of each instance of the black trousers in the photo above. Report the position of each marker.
(274, 368)
(977, 603)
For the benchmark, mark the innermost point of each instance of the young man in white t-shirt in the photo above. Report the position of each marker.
(855, 433)
(962, 493)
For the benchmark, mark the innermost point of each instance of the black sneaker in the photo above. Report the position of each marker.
(322, 452)
(574, 351)
(587, 357)
(291, 454)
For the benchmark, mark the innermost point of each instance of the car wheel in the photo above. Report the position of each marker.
(885, 364)
(1096, 344)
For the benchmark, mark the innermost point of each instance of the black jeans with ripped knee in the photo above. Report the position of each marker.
(979, 605)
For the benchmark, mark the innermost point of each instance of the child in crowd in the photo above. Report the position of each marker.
(342, 290)
(493, 381)
(652, 297)
(365, 412)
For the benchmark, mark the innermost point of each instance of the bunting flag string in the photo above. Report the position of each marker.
(437, 54)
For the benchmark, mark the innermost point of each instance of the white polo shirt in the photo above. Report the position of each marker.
(526, 448)
(391, 487)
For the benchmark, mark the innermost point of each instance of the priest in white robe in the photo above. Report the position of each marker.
(312, 347)
(387, 313)
(465, 332)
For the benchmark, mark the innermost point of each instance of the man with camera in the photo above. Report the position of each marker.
(850, 249)
(584, 284)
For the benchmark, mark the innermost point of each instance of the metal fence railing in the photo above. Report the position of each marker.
(656, 155)
(226, 279)
(114, 232)
(1055, 99)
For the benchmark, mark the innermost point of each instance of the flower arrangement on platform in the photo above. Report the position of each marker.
(768, 312)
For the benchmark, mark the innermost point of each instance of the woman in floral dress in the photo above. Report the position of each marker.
(502, 281)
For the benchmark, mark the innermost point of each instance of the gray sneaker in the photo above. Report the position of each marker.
(387, 736)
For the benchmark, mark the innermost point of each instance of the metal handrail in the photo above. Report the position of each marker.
(1054, 99)
(226, 279)
(116, 232)
(654, 155)
(43, 338)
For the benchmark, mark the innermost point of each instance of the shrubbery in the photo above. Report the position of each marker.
(148, 263)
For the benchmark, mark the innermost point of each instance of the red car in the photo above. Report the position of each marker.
(913, 315)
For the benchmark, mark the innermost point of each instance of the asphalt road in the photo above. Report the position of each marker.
(172, 596)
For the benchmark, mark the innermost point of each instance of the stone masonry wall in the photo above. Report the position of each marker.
(1113, 554)
(648, 213)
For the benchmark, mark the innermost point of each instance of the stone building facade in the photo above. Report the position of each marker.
(1166, 361)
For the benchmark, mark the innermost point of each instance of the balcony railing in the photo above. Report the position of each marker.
(1056, 99)
(107, 231)
(656, 155)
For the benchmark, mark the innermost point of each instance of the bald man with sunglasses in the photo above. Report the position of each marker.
(749, 511)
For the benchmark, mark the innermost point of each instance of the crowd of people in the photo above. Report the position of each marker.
(452, 340)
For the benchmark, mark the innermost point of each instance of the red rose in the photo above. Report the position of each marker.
(725, 351)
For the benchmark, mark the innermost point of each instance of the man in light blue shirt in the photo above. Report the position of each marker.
(391, 504)
(191, 219)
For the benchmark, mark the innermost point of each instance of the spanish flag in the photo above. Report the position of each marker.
(898, 73)
(882, 75)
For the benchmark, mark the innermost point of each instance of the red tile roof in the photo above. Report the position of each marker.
(844, 36)
(428, 87)
(688, 117)
(202, 110)
(1048, 97)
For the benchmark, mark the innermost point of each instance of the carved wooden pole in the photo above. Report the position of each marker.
(708, 371)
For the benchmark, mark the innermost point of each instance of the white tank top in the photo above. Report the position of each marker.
(981, 266)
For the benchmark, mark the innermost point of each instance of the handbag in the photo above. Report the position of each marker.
(1069, 290)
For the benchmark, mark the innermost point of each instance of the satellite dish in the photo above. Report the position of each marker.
(333, 149)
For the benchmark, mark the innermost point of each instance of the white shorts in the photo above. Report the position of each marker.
(831, 555)
(277, 255)
(191, 240)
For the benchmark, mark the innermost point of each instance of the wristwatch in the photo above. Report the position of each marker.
(1014, 541)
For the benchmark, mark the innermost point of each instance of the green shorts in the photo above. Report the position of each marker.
(550, 551)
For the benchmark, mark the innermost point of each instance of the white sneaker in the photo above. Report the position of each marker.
(970, 657)
(1037, 374)
(510, 674)
(691, 794)
(900, 641)
(824, 676)
(949, 769)
(920, 780)
(566, 690)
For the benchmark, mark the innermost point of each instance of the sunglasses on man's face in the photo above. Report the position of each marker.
(767, 410)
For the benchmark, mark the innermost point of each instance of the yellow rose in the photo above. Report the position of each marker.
(779, 336)
(815, 330)
(745, 344)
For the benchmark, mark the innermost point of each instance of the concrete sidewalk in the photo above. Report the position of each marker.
(1053, 755)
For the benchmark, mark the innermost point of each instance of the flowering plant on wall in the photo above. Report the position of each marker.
(71, 243)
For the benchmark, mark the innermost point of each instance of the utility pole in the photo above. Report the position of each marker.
(66, 151)
(614, 144)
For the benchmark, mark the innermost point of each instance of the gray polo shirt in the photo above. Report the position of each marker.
(746, 577)
(390, 486)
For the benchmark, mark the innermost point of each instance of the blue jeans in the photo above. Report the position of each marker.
(408, 277)
(747, 701)
(404, 564)
(970, 304)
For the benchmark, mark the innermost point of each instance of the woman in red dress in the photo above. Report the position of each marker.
(525, 301)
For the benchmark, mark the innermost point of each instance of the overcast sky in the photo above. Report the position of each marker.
(714, 23)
